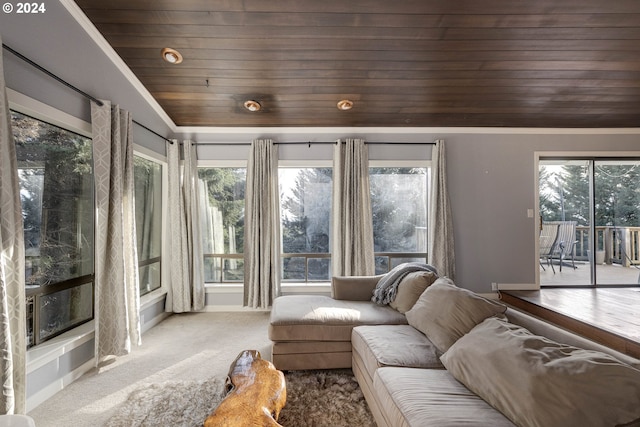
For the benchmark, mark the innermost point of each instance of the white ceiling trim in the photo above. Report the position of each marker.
(102, 43)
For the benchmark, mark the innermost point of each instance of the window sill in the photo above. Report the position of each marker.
(152, 298)
(287, 287)
(305, 287)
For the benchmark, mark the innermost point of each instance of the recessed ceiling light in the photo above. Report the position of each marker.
(345, 105)
(252, 105)
(172, 56)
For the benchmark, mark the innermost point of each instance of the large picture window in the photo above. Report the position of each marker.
(222, 192)
(399, 208)
(148, 194)
(56, 191)
(399, 203)
(305, 211)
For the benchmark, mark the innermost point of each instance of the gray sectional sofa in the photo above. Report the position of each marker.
(453, 358)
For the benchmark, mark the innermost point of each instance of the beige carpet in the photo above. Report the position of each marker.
(186, 347)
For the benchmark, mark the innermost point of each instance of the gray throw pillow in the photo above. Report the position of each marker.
(445, 312)
(537, 382)
(410, 288)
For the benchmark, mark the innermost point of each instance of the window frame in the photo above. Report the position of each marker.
(592, 156)
(238, 164)
(152, 156)
(303, 164)
(37, 110)
(405, 164)
(323, 163)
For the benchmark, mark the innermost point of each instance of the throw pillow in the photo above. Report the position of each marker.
(410, 288)
(537, 382)
(445, 312)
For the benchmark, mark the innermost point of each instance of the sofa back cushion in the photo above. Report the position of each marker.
(445, 312)
(537, 382)
(410, 288)
(354, 288)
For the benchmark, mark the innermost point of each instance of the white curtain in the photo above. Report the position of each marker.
(441, 244)
(262, 226)
(12, 284)
(117, 295)
(184, 240)
(352, 233)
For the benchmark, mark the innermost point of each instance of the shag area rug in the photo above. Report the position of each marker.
(314, 399)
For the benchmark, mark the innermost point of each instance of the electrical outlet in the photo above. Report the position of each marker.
(494, 286)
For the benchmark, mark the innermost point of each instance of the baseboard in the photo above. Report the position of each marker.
(153, 322)
(518, 287)
(232, 309)
(490, 295)
(49, 391)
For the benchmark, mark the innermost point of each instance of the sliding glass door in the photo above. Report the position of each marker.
(590, 222)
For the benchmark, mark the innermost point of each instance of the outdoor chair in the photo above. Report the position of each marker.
(565, 244)
(547, 241)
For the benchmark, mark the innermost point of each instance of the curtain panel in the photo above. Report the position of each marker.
(117, 295)
(12, 270)
(441, 249)
(352, 233)
(192, 203)
(262, 244)
(184, 241)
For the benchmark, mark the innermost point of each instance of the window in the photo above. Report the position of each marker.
(56, 191)
(305, 211)
(399, 207)
(148, 194)
(222, 193)
(600, 199)
(399, 204)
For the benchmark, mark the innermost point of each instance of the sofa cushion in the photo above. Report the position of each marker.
(354, 288)
(322, 318)
(394, 345)
(538, 382)
(445, 312)
(430, 397)
(410, 288)
(540, 327)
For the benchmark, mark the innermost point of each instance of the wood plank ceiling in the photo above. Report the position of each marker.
(513, 63)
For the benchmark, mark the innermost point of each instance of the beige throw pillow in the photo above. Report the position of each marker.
(537, 382)
(410, 288)
(445, 312)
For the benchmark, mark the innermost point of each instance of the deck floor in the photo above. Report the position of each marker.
(610, 316)
(606, 274)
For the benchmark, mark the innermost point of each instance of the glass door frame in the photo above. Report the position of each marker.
(592, 158)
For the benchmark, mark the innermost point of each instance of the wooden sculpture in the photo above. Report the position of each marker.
(256, 394)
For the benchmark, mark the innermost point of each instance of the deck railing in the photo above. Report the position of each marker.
(614, 245)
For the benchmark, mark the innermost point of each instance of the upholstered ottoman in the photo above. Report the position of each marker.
(314, 331)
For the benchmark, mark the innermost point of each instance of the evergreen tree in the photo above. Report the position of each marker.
(548, 195)
(306, 212)
(616, 194)
(226, 191)
(394, 226)
(572, 186)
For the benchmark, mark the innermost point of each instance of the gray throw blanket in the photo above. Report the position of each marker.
(387, 287)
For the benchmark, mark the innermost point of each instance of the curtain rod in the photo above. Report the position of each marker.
(70, 86)
(309, 143)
